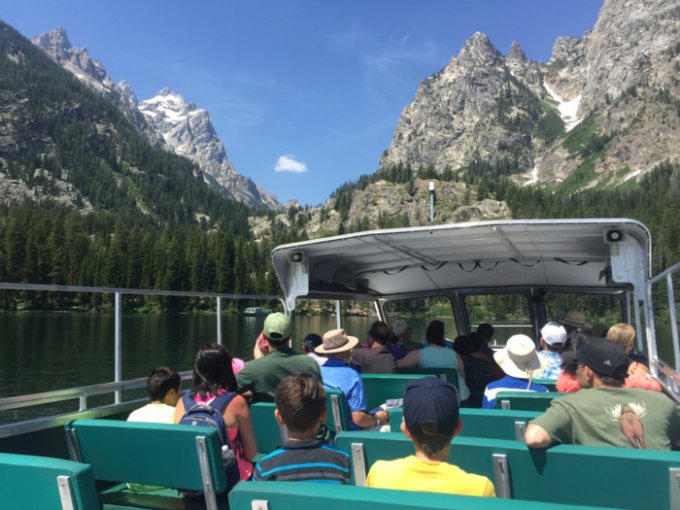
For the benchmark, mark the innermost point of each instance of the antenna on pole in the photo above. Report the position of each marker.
(431, 188)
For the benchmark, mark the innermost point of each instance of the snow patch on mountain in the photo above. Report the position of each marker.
(568, 110)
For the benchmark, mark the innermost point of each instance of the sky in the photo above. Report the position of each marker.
(305, 94)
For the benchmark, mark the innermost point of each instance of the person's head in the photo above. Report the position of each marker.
(554, 337)
(474, 342)
(486, 330)
(337, 344)
(435, 333)
(300, 404)
(212, 371)
(379, 333)
(401, 329)
(277, 328)
(261, 347)
(311, 342)
(163, 385)
(601, 362)
(460, 344)
(519, 358)
(431, 414)
(623, 334)
(573, 320)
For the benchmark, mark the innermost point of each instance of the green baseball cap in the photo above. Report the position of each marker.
(277, 326)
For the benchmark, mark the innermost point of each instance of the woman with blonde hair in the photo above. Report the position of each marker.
(638, 373)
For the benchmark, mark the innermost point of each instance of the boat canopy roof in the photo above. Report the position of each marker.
(594, 253)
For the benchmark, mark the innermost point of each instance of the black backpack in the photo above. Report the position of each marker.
(209, 414)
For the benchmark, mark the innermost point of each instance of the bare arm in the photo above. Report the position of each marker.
(179, 411)
(410, 360)
(536, 437)
(237, 414)
(364, 420)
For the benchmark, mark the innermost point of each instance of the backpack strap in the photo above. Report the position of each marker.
(221, 402)
(188, 400)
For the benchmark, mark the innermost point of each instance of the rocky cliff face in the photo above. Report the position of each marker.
(605, 107)
(165, 120)
(189, 131)
(384, 204)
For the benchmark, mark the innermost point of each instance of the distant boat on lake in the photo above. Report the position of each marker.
(256, 311)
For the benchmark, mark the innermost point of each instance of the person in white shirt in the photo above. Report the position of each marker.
(163, 387)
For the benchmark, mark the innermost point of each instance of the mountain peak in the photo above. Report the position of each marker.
(478, 48)
(54, 42)
(516, 53)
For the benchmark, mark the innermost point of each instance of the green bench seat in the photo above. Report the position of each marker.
(487, 423)
(550, 384)
(449, 375)
(297, 495)
(176, 456)
(381, 387)
(568, 474)
(526, 400)
(28, 482)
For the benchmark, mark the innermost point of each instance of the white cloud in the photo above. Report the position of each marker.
(288, 163)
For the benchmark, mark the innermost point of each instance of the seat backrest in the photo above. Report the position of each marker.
(179, 456)
(570, 474)
(525, 400)
(36, 483)
(381, 387)
(488, 423)
(448, 374)
(550, 384)
(268, 433)
(337, 410)
(296, 495)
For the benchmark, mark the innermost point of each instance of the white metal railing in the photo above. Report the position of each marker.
(117, 386)
(667, 275)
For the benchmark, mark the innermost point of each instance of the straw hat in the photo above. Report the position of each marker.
(575, 319)
(336, 340)
(519, 358)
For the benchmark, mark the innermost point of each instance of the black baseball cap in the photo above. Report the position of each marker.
(604, 357)
(434, 401)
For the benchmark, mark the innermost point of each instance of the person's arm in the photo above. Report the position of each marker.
(364, 420)
(410, 360)
(179, 411)
(238, 413)
(536, 437)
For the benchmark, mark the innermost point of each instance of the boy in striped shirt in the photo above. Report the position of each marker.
(301, 407)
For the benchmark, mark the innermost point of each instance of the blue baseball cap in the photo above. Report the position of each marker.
(434, 401)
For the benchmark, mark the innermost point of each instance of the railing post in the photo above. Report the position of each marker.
(219, 320)
(338, 320)
(671, 318)
(118, 375)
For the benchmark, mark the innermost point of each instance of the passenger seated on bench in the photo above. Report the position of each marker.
(301, 407)
(431, 420)
(376, 358)
(553, 342)
(480, 370)
(436, 354)
(603, 413)
(403, 334)
(311, 342)
(486, 330)
(213, 375)
(638, 373)
(519, 361)
(336, 346)
(163, 388)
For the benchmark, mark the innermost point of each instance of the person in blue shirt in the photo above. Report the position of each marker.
(521, 363)
(336, 346)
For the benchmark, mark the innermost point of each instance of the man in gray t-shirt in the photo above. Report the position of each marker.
(603, 413)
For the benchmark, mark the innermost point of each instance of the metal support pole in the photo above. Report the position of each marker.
(118, 375)
(431, 188)
(672, 319)
(338, 321)
(219, 320)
